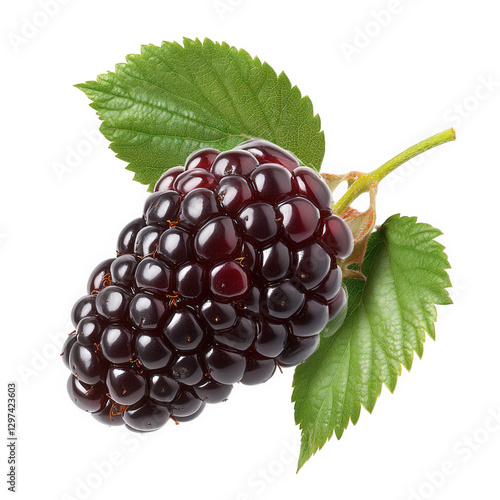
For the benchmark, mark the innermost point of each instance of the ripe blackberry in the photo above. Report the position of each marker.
(230, 272)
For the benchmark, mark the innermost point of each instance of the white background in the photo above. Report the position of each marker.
(420, 69)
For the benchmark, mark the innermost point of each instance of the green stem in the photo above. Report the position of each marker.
(362, 185)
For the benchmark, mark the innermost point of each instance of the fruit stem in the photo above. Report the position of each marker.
(363, 183)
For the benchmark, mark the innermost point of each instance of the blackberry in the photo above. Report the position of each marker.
(230, 273)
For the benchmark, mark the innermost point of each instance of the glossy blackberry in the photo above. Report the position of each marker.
(224, 365)
(203, 158)
(88, 331)
(186, 404)
(272, 182)
(122, 270)
(152, 353)
(267, 152)
(229, 280)
(233, 193)
(187, 418)
(163, 209)
(90, 398)
(311, 265)
(66, 348)
(311, 185)
(239, 338)
(210, 391)
(230, 272)
(259, 222)
(85, 362)
(300, 219)
(112, 303)
(153, 275)
(275, 262)
(183, 330)
(126, 385)
(234, 162)
(128, 236)
(198, 206)
(216, 239)
(190, 281)
(258, 370)
(146, 241)
(166, 181)
(298, 349)
(147, 312)
(100, 277)
(162, 387)
(84, 307)
(175, 246)
(188, 370)
(147, 417)
(192, 179)
(111, 415)
(284, 300)
(310, 320)
(218, 316)
(117, 344)
(271, 338)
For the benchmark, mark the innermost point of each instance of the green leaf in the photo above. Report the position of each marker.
(387, 318)
(169, 101)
